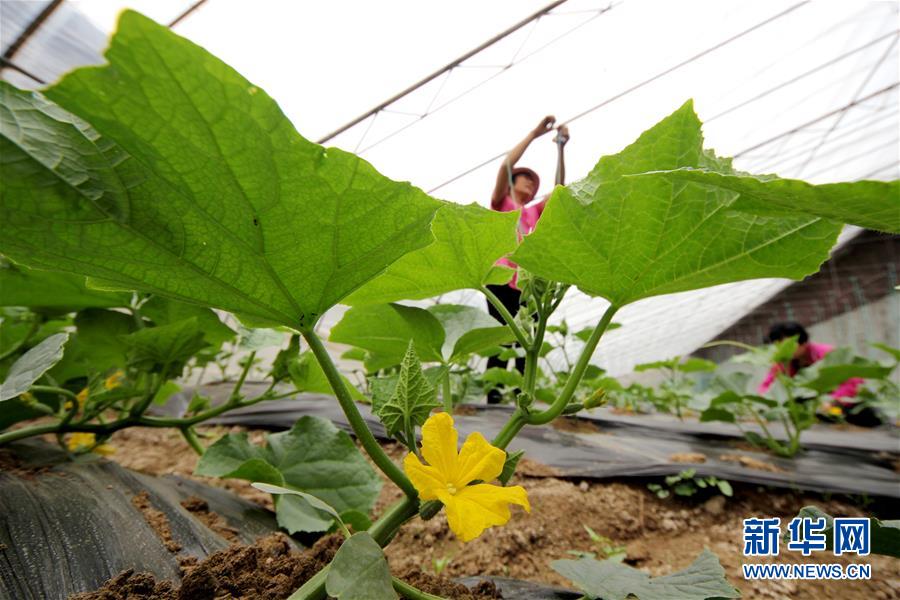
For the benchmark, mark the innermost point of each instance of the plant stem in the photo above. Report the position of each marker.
(357, 423)
(446, 394)
(54, 390)
(389, 523)
(191, 437)
(575, 377)
(314, 588)
(236, 392)
(518, 419)
(409, 591)
(510, 320)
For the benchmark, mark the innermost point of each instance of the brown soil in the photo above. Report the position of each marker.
(156, 520)
(687, 457)
(575, 425)
(751, 463)
(10, 463)
(200, 509)
(660, 536)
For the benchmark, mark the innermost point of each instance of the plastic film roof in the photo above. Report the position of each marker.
(804, 90)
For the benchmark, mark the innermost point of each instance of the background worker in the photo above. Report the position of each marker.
(515, 189)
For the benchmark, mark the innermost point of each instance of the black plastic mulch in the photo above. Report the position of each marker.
(625, 447)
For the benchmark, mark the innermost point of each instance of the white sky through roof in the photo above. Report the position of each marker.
(328, 62)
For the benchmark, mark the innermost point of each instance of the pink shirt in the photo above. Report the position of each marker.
(817, 352)
(527, 222)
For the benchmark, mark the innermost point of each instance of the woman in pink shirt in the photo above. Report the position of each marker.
(515, 189)
(806, 354)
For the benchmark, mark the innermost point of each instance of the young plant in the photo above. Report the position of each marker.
(687, 483)
(215, 200)
(677, 388)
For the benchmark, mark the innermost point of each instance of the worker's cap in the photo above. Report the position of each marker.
(534, 177)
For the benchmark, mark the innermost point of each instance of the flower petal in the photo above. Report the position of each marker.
(426, 479)
(439, 441)
(478, 460)
(477, 507)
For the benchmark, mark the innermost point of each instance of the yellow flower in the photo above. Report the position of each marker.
(470, 508)
(835, 411)
(81, 397)
(83, 441)
(114, 380)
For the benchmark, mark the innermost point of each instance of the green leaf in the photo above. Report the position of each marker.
(191, 183)
(627, 238)
(165, 348)
(837, 367)
(309, 499)
(500, 376)
(163, 311)
(696, 365)
(255, 339)
(166, 391)
(717, 414)
(870, 204)
(885, 535)
(585, 334)
(785, 349)
(359, 571)
(468, 330)
(895, 352)
(385, 330)
(313, 457)
(21, 286)
(32, 365)
(468, 241)
(97, 346)
(509, 466)
(316, 457)
(612, 580)
(412, 400)
(307, 376)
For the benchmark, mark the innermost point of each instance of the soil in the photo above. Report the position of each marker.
(157, 520)
(751, 463)
(575, 425)
(200, 509)
(660, 535)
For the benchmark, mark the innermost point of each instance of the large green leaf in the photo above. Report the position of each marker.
(163, 311)
(411, 401)
(612, 580)
(385, 331)
(32, 365)
(307, 376)
(627, 238)
(871, 204)
(165, 348)
(313, 457)
(468, 241)
(837, 367)
(190, 182)
(468, 330)
(98, 346)
(21, 286)
(360, 571)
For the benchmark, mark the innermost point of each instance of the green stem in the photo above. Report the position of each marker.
(510, 320)
(574, 379)
(54, 390)
(518, 419)
(156, 382)
(236, 392)
(389, 523)
(191, 437)
(409, 591)
(357, 423)
(314, 588)
(446, 393)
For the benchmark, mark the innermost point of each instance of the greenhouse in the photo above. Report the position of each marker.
(581, 299)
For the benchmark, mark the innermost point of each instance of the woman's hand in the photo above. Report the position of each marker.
(545, 126)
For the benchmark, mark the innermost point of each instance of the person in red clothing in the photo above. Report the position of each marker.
(515, 189)
(808, 353)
